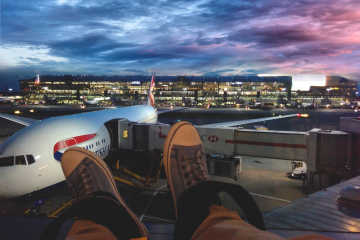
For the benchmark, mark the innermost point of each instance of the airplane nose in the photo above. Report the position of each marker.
(10, 183)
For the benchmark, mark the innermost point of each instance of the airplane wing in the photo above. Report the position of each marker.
(20, 120)
(248, 121)
(162, 111)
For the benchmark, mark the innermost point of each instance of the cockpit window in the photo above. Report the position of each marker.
(6, 161)
(30, 159)
(20, 160)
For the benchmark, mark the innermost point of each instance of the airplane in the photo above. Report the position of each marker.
(30, 158)
(6, 100)
(95, 101)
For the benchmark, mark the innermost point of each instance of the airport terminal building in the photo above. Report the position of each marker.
(174, 90)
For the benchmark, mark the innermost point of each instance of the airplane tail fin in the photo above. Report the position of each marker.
(151, 99)
(37, 79)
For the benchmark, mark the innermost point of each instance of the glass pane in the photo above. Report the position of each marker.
(30, 159)
(6, 161)
(20, 160)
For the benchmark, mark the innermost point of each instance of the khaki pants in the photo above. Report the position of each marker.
(220, 224)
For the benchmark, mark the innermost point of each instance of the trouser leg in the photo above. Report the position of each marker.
(104, 215)
(195, 205)
(225, 224)
(200, 216)
(89, 230)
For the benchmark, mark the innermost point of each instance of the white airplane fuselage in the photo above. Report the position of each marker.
(35, 151)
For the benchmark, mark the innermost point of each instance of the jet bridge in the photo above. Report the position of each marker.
(323, 151)
(227, 142)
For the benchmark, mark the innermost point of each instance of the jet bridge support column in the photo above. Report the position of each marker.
(328, 157)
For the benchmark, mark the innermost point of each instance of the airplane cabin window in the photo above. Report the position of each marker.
(20, 160)
(6, 161)
(30, 159)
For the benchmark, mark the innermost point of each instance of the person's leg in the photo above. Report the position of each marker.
(101, 214)
(226, 224)
(98, 206)
(200, 213)
(183, 159)
(185, 168)
(86, 229)
(89, 230)
(196, 205)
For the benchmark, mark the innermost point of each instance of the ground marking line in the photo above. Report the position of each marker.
(270, 197)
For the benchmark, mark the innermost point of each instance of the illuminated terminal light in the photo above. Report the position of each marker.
(125, 134)
(171, 90)
(17, 112)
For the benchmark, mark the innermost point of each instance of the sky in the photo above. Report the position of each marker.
(306, 39)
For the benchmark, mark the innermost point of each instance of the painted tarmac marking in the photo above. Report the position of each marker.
(270, 197)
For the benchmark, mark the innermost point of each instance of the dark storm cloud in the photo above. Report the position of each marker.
(274, 36)
(315, 50)
(35, 21)
(230, 12)
(322, 10)
(87, 46)
(138, 55)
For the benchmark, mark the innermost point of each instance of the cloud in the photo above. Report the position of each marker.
(138, 55)
(219, 72)
(135, 71)
(181, 36)
(87, 46)
(275, 36)
(14, 56)
(210, 41)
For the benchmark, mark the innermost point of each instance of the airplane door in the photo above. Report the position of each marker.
(112, 127)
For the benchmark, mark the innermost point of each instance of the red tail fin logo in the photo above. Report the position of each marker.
(37, 79)
(151, 99)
